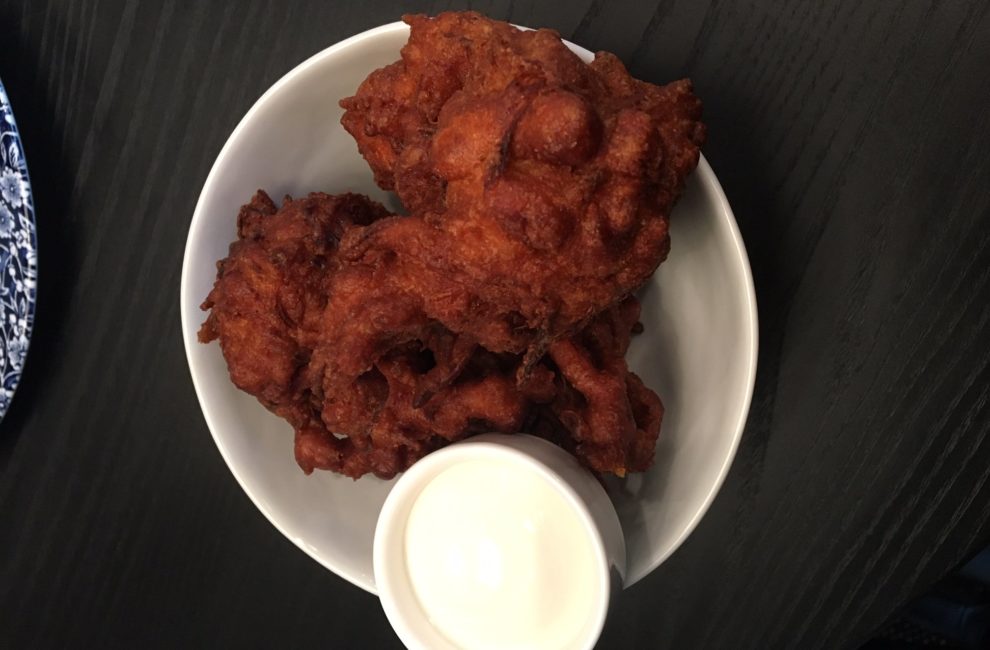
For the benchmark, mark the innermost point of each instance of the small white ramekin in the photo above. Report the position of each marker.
(580, 489)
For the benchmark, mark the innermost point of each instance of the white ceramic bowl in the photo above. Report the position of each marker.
(580, 490)
(698, 351)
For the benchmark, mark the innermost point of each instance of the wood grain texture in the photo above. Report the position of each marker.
(851, 138)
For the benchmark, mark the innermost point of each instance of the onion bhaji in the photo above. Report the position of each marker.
(543, 184)
(538, 189)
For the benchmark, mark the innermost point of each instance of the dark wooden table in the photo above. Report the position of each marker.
(853, 140)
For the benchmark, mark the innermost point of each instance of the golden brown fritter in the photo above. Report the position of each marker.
(543, 184)
(423, 388)
(538, 189)
(270, 293)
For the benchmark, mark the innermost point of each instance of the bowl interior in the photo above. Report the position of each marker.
(698, 351)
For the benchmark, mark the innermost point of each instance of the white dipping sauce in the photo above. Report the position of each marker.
(499, 558)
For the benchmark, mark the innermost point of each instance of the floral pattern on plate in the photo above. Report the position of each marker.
(18, 255)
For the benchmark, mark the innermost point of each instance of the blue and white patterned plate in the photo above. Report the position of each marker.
(18, 255)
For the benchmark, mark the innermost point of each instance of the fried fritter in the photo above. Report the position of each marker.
(423, 389)
(538, 189)
(266, 310)
(543, 184)
(270, 294)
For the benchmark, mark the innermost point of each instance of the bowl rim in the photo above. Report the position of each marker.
(188, 335)
(189, 327)
(707, 176)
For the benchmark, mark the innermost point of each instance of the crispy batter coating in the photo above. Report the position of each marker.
(538, 189)
(543, 184)
(427, 386)
(268, 300)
